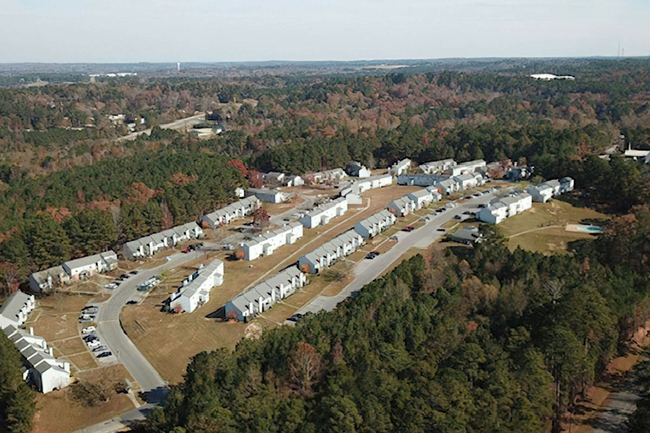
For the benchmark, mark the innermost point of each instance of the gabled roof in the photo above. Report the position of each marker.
(422, 193)
(13, 305)
(326, 206)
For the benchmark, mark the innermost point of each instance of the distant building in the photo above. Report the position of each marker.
(467, 167)
(419, 179)
(274, 178)
(469, 235)
(549, 77)
(435, 167)
(468, 180)
(356, 169)
(401, 167)
(292, 180)
(148, 246)
(500, 209)
(266, 195)
(233, 211)
(552, 188)
(85, 267)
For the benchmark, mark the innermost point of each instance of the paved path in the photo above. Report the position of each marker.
(368, 270)
(111, 333)
(176, 125)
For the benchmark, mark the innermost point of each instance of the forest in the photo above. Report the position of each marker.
(465, 340)
(17, 402)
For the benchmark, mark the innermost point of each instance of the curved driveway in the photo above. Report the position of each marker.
(111, 332)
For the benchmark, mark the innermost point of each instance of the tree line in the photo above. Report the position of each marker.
(465, 340)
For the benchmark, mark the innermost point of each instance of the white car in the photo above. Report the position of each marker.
(94, 343)
(88, 330)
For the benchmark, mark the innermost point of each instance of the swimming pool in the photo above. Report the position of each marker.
(588, 229)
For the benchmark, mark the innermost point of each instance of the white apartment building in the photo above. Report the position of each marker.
(197, 292)
(330, 252)
(467, 167)
(324, 213)
(233, 211)
(375, 224)
(266, 243)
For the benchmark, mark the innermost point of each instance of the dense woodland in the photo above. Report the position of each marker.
(17, 403)
(471, 340)
(58, 183)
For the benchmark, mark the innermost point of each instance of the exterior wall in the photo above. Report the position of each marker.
(267, 246)
(54, 379)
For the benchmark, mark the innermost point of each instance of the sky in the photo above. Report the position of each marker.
(121, 31)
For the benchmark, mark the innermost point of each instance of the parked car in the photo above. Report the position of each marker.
(88, 330)
(93, 344)
(124, 276)
(296, 317)
(442, 230)
(131, 302)
(99, 349)
(110, 286)
(90, 337)
(134, 272)
(185, 251)
(408, 229)
(104, 354)
(370, 256)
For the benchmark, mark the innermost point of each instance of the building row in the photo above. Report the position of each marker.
(552, 188)
(375, 224)
(436, 167)
(263, 296)
(352, 193)
(413, 201)
(503, 208)
(325, 212)
(275, 178)
(330, 252)
(266, 243)
(333, 175)
(446, 185)
(42, 370)
(148, 246)
(266, 195)
(72, 270)
(401, 167)
(233, 211)
(196, 291)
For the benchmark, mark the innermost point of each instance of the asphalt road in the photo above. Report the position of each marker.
(368, 270)
(176, 125)
(111, 333)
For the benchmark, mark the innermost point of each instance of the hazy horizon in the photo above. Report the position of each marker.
(201, 31)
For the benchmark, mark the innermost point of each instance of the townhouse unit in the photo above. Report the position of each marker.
(330, 252)
(566, 184)
(356, 169)
(375, 224)
(401, 167)
(274, 178)
(467, 167)
(46, 280)
(85, 267)
(266, 243)
(263, 296)
(402, 206)
(423, 198)
(373, 182)
(148, 246)
(469, 180)
(500, 209)
(15, 310)
(419, 179)
(197, 292)
(266, 195)
(434, 190)
(292, 180)
(544, 191)
(233, 211)
(324, 213)
(435, 167)
(42, 370)
(447, 186)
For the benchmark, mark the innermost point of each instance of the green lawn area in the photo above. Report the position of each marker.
(542, 228)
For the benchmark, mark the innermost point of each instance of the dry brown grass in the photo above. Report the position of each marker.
(83, 361)
(69, 346)
(58, 412)
(542, 228)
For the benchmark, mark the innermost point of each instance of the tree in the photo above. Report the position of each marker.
(261, 217)
(304, 369)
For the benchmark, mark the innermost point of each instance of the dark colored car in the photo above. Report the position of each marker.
(131, 302)
(408, 229)
(104, 354)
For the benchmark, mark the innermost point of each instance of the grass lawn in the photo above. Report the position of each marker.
(542, 228)
(60, 412)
